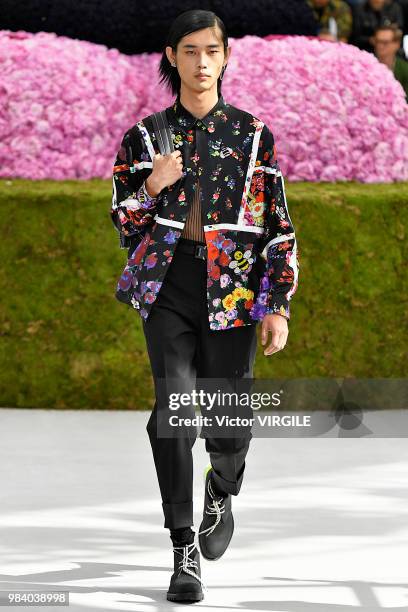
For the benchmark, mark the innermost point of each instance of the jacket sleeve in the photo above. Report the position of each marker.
(132, 208)
(278, 243)
(344, 21)
(397, 15)
(359, 39)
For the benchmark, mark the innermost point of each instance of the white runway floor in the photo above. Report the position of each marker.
(321, 524)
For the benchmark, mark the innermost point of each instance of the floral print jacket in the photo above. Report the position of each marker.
(252, 261)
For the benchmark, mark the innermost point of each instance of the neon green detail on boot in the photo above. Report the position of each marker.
(206, 470)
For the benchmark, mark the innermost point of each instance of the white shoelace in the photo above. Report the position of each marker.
(186, 562)
(216, 507)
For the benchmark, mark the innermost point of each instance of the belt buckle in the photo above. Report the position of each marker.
(200, 251)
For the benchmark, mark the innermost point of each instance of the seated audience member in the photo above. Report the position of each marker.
(386, 42)
(370, 16)
(334, 18)
(404, 8)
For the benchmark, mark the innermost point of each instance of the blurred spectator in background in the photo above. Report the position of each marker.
(404, 8)
(371, 15)
(386, 42)
(334, 18)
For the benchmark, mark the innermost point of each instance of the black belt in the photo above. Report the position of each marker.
(190, 247)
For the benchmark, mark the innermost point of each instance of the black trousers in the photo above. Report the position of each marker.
(181, 346)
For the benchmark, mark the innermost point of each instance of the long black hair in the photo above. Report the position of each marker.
(185, 23)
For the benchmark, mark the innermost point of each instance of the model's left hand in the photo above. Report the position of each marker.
(278, 325)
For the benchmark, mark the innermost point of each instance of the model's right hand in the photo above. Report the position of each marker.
(167, 169)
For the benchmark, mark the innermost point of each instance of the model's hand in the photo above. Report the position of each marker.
(167, 169)
(278, 325)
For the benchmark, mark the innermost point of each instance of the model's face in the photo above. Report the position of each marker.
(377, 5)
(200, 52)
(384, 44)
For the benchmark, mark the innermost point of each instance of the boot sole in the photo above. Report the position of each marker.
(185, 596)
(219, 556)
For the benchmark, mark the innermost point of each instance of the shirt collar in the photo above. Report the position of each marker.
(186, 120)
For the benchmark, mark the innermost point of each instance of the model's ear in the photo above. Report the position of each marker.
(169, 54)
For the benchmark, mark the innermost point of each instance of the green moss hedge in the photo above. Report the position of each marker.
(67, 342)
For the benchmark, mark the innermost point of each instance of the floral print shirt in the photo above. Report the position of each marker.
(252, 259)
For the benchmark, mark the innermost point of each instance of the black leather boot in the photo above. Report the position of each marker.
(217, 526)
(185, 583)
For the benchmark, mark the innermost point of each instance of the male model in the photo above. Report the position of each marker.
(213, 253)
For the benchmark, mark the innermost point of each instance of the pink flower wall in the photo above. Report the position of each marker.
(335, 111)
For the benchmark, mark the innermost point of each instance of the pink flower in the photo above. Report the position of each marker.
(336, 112)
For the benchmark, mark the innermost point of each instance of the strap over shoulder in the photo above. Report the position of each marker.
(163, 132)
